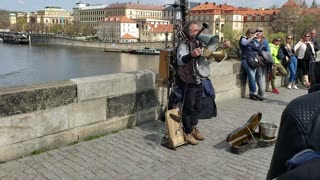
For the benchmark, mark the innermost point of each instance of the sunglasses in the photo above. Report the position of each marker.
(289, 38)
(306, 36)
(278, 40)
(259, 31)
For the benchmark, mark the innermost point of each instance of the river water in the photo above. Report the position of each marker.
(26, 64)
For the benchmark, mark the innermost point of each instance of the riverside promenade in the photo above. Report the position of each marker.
(134, 154)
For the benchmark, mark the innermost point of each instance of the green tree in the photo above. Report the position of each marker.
(304, 24)
(56, 28)
(4, 19)
(233, 36)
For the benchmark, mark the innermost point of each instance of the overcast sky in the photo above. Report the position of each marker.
(34, 5)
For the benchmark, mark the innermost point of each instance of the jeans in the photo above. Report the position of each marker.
(251, 73)
(292, 69)
(261, 80)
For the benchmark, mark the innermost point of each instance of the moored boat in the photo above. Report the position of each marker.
(16, 38)
(145, 50)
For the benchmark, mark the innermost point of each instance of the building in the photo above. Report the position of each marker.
(156, 32)
(51, 15)
(118, 29)
(135, 10)
(89, 15)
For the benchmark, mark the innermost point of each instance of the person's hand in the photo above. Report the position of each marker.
(287, 59)
(196, 52)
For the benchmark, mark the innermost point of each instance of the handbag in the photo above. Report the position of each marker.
(254, 61)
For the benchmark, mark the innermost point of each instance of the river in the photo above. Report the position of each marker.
(26, 64)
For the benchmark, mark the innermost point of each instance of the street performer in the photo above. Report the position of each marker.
(190, 84)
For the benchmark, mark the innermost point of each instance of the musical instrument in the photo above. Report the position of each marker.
(211, 50)
(201, 67)
(176, 136)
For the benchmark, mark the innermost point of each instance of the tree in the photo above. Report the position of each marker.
(233, 36)
(304, 24)
(4, 19)
(285, 20)
(55, 28)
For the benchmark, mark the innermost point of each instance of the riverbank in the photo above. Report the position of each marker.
(105, 46)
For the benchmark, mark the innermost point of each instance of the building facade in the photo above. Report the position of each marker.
(118, 29)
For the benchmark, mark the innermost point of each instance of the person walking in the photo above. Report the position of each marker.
(190, 85)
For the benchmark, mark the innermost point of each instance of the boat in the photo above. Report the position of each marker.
(16, 38)
(145, 50)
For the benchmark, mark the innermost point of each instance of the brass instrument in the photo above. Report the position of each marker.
(212, 48)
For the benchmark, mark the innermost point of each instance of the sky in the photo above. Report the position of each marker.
(34, 5)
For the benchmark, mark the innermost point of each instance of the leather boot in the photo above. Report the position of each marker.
(196, 134)
(306, 81)
(191, 139)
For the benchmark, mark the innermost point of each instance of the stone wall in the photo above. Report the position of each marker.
(50, 115)
(52, 40)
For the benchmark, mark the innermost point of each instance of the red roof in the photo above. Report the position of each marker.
(128, 36)
(120, 19)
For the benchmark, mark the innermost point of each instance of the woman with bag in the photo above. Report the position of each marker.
(289, 61)
(305, 52)
(249, 61)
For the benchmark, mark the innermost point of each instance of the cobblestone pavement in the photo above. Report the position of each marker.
(133, 153)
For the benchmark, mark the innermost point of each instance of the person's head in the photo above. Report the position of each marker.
(306, 36)
(250, 32)
(276, 41)
(259, 31)
(191, 29)
(313, 33)
(289, 39)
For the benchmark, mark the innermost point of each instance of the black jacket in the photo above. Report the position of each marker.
(299, 130)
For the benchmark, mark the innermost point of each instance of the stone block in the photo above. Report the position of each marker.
(87, 112)
(131, 103)
(26, 148)
(221, 68)
(228, 94)
(25, 99)
(145, 80)
(107, 127)
(105, 85)
(121, 105)
(223, 82)
(23, 127)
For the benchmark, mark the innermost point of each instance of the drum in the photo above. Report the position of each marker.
(201, 67)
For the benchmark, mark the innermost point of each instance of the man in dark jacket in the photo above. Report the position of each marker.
(316, 44)
(299, 131)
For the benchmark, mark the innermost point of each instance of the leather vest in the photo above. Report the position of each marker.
(186, 72)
